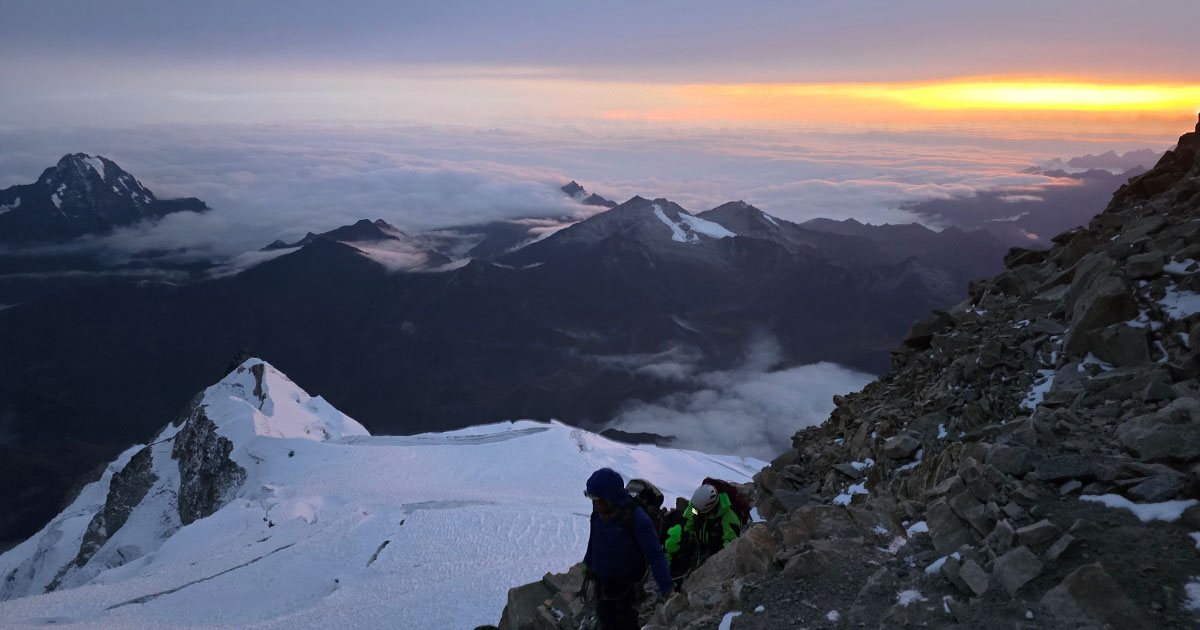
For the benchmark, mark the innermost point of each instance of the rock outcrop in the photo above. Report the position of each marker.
(192, 468)
(1032, 459)
(207, 475)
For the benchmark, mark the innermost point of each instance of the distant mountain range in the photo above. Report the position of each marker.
(408, 335)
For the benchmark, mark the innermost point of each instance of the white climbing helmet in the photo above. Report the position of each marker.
(704, 499)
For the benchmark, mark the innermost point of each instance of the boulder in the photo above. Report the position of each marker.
(817, 522)
(569, 582)
(1016, 568)
(1158, 488)
(1066, 467)
(922, 331)
(1089, 270)
(791, 501)
(741, 557)
(1059, 547)
(952, 571)
(948, 532)
(991, 355)
(808, 564)
(1014, 461)
(1121, 345)
(1018, 256)
(1143, 226)
(1162, 441)
(902, 446)
(522, 609)
(1090, 596)
(1048, 326)
(974, 512)
(1158, 390)
(850, 471)
(1191, 517)
(1144, 265)
(1097, 298)
(974, 577)
(1038, 534)
(1076, 244)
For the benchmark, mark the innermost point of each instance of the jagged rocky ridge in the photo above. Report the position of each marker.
(193, 467)
(979, 483)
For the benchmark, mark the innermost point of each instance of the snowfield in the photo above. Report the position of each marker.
(334, 528)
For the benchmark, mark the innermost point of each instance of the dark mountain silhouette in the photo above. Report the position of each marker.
(379, 233)
(578, 193)
(80, 195)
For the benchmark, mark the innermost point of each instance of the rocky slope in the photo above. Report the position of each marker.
(1032, 459)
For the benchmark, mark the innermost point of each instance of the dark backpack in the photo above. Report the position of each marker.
(737, 502)
(648, 497)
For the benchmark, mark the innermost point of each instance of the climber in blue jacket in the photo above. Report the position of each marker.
(622, 542)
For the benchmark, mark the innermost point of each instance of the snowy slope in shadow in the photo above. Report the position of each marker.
(331, 527)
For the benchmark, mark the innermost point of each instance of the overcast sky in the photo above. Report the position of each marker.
(125, 61)
(665, 40)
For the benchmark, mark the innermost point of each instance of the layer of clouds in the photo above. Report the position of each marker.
(268, 182)
(750, 411)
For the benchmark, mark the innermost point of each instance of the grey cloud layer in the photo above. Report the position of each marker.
(750, 411)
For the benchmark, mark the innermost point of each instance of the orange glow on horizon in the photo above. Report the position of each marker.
(924, 101)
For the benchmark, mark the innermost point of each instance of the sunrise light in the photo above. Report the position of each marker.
(937, 100)
(1052, 96)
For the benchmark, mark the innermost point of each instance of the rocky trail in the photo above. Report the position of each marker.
(1032, 459)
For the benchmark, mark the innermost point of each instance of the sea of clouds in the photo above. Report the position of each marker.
(751, 410)
(267, 182)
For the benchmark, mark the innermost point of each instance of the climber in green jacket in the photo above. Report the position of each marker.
(708, 525)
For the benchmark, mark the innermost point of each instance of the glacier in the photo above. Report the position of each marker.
(329, 526)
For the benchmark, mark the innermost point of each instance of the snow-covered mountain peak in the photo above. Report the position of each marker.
(238, 504)
(686, 228)
(649, 225)
(81, 194)
(257, 399)
(79, 177)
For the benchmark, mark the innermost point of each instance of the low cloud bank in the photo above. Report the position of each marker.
(752, 410)
(268, 182)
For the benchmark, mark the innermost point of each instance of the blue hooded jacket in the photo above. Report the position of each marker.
(612, 551)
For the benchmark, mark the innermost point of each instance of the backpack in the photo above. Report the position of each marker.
(737, 502)
(648, 497)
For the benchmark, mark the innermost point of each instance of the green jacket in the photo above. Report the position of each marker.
(704, 534)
